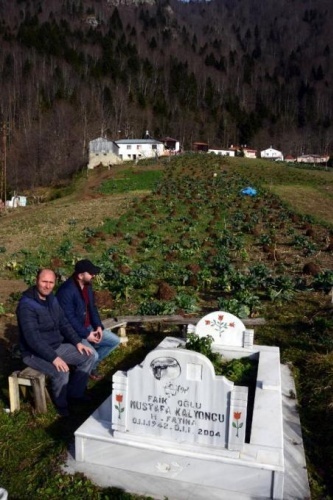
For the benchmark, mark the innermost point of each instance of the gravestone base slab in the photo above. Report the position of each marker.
(180, 473)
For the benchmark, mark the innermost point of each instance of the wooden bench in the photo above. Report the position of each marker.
(28, 378)
(174, 319)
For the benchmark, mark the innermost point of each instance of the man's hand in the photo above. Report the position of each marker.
(60, 365)
(95, 336)
(83, 349)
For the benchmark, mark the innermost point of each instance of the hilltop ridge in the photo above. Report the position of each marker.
(223, 72)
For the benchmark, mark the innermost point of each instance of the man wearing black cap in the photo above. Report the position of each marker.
(76, 298)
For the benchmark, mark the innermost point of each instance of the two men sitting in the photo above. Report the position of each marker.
(65, 330)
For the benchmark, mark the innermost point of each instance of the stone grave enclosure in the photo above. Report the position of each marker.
(173, 428)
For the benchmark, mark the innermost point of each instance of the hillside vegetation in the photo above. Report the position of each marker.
(225, 72)
(188, 244)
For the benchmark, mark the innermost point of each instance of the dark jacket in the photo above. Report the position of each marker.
(43, 325)
(71, 300)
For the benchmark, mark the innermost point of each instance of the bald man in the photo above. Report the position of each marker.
(50, 345)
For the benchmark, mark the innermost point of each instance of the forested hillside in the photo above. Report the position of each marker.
(252, 72)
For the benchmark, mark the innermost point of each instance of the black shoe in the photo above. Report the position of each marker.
(95, 376)
(83, 399)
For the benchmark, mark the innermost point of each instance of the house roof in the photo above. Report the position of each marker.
(138, 141)
(216, 148)
(271, 150)
(101, 139)
(168, 139)
(312, 156)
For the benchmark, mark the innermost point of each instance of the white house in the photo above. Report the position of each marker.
(249, 153)
(222, 152)
(103, 152)
(138, 149)
(271, 154)
(319, 159)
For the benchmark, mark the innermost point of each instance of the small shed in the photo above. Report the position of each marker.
(200, 146)
(249, 153)
(16, 201)
(171, 145)
(290, 159)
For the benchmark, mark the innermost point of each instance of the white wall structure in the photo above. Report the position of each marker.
(104, 152)
(222, 152)
(139, 149)
(16, 201)
(271, 154)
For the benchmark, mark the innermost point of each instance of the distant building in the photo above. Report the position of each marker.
(222, 152)
(103, 152)
(16, 201)
(200, 146)
(249, 153)
(171, 146)
(290, 159)
(313, 159)
(271, 154)
(138, 149)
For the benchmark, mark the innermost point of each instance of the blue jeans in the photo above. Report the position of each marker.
(108, 343)
(65, 384)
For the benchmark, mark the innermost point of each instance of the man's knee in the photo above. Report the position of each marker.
(94, 353)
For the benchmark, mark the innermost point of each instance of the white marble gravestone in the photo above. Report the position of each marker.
(175, 395)
(226, 330)
(172, 428)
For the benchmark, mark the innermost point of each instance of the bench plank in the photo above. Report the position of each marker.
(174, 319)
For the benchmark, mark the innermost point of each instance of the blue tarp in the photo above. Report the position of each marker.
(249, 191)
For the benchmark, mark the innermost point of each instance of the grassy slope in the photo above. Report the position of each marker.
(67, 218)
(307, 191)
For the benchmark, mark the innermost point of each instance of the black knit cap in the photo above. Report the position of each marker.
(86, 266)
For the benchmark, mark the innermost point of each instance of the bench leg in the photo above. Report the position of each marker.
(14, 393)
(122, 335)
(38, 387)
